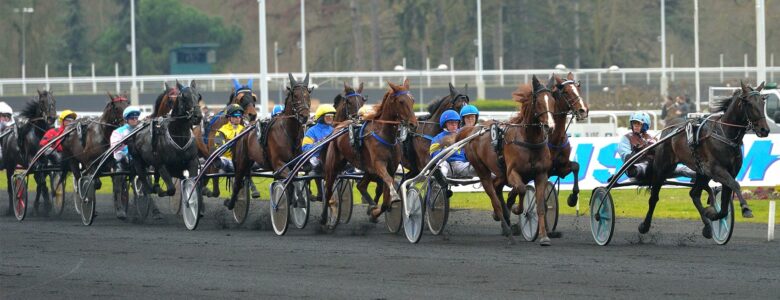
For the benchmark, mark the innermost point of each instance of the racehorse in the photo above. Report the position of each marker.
(84, 146)
(567, 102)
(169, 144)
(165, 101)
(38, 115)
(273, 147)
(348, 103)
(241, 95)
(417, 149)
(380, 153)
(521, 153)
(717, 156)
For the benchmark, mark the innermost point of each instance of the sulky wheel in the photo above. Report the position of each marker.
(87, 199)
(413, 215)
(241, 208)
(191, 202)
(57, 188)
(602, 216)
(175, 200)
(394, 216)
(142, 201)
(551, 211)
(529, 219)
(19, 190)
(344, 193)
(723, 228)
(300, 204)
(437, 207)
(280, 211)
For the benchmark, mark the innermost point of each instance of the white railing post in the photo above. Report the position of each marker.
(501, 70)
(94, 83)
(746, 66)
(648, 77)
(24, 81)
(141, 87)
(671, 65)
(116, 75)
(721, 68)
(452, 70)
(46, 73)
(772, 65)
(213, 86)
(428, 69)
(70, 78)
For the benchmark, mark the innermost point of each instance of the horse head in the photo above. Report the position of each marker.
(114, 109)
(348, 104)
(457, 100)
(245, 97)
(47, 106)
(567, 96)
(753, 104)
(187, 103)
(535, 104)
(398, 105)
(298, 101)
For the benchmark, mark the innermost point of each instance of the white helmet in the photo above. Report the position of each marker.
(5, 108)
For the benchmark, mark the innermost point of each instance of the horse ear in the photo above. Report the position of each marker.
(292, 79)
(192, 84)
(178, 85)
(166, 86)
(39, 92)
(360, 88)
(109, 95)
(570, 76)
(551, 83)
(249, 83)
(761, 86)
(406, 83)
(453, 91)
(535, 82)
(346, 86)
(306, 80)
(744, 87)
(391, 85)
(236, 84)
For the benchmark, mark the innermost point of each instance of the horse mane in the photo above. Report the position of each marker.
(157, 103)
(523, 93)
(719, 105)
(31, 109)
(378, 107)
(434, 106)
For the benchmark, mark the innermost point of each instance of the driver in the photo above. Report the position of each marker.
(637, 140)
(456, 165)
(6, 121)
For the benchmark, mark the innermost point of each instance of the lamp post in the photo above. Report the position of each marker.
(134, 87)
(263, 58)
(441, 67)
(664, 80)
(24, 11)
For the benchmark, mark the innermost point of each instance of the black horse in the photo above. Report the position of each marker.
(169, 144)
(716, 156)
(20, 146)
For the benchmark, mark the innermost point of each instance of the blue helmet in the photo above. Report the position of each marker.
(277, 110)
(642, 117)
(448, 115)
(131, 111)
(469, 110)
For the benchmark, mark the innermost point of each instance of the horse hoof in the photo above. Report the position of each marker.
(516, 229)
(495, 217)
(545, 241)
(517, 210)
(229, 204)
(747, 213)
(710, 213)
(643, 228)
(707, 232)
(555, 234)
(157, 189)
(572, 200)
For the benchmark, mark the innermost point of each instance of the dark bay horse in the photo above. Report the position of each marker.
(718, 155)
(380, 153)
(348, 103)
(169, 145)
(19, 146)
(567, 102)
(86, 144)
(522, 154)
(282, 140)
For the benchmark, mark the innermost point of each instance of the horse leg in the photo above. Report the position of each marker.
(655, 189)
(730, 185)
(541, 183)
(389, 189)
(241, 172)
(167, 178)
(42, 193)
(699, 183)
(9, 173)
(362, 187)
(574, 168)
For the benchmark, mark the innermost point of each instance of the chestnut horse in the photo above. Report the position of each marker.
(380, 153)
(521, 154)
(717, 156)
(283, 142)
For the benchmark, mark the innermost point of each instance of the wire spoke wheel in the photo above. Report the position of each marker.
(551, 207)
(20, 196)
(602, 216)
(57, 188)
(241, 208)
(437, 208)
(723, 228)
(87, 203)
(191, 201)
(529, 219)
(413, 215)
(279, 206)
(344, 193)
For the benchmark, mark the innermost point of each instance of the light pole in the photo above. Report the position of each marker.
(760, 43)
(263, 59)
(480, 79)
(23, 11)
(303, 37)
(664, 80)
(134, 87)
(696, 53)
(441, 67)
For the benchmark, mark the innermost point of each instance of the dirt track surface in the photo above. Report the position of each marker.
(60, 258)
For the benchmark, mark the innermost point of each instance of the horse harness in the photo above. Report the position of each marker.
(497, 134)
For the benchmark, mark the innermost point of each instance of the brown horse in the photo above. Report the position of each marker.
(380, 153)
(84, 146)
(348, 103)
(567, 102)
(718, 155)
(522, 154)
(283, 140)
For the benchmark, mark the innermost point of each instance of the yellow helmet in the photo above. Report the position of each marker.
(324, 109)
(65, 113)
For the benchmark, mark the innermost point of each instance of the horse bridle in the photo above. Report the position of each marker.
(569, 101)
(533, 103)
(357, 109)
(188, 116)
(299, 106)
(751, 123)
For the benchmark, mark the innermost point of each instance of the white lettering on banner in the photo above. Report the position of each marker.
(598, 160)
